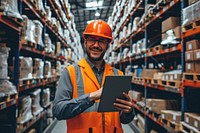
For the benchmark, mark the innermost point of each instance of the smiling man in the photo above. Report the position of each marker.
(80, 88)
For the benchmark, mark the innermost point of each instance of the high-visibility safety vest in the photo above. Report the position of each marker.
(91, 121)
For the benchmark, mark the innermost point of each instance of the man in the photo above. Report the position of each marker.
(80, 88)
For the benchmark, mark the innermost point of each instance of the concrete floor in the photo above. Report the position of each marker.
(61, 128)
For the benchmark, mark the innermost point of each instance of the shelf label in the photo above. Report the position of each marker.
(165, 8)
(13, 101)
(195, 123)
(166, 50)
(26, 87)
(3, 106)
(174, 117)
(187, 119)
(163, 116)
(158, 14)
(174, 48)
(171, 3)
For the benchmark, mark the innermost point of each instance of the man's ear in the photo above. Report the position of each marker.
(85, 42)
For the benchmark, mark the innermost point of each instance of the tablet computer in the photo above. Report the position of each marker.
(113, 88)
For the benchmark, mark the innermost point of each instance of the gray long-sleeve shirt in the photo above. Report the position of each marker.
(66, 107)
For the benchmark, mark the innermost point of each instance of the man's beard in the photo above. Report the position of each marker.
(95, 59)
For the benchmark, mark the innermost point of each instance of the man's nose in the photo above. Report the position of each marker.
(96, 43)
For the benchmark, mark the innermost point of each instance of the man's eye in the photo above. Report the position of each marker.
(92, 40)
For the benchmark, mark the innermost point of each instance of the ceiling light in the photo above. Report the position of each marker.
(94, 4)
(89, 21)
(97, 14)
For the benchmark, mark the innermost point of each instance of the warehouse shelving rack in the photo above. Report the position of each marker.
(9, 105)
(177, 51)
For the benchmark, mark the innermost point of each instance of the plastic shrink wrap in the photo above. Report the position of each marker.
(36, 107)
(26, 67)
(48, 44)
(38, 68)
(46, 97)
(4, 53)
(7, 88)
(38, 33)
(191, 13)
(25, 113)
(58, 68)
(47, 69)
(28, 29)
(10, 8)
(39, 6)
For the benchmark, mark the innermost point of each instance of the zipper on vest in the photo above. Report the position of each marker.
(103, 122)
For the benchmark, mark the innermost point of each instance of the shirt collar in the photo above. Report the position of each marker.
(92, 65)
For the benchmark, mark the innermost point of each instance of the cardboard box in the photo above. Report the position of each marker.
(177, 32)
(189, 56)
(170, 23)
(158, 75)
(190, 2)
(197, 67)
(148, 73)
(189, 67)
(197, 54)
(171, 115)
(192, 45)
(137, 96)
(156, 105)
(178, 76)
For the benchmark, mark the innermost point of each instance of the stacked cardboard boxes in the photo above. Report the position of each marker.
(192, 56)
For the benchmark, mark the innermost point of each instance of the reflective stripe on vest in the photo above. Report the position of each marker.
(84, 81)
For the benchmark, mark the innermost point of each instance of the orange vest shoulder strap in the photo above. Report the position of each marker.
(72, 74)
(120, 72)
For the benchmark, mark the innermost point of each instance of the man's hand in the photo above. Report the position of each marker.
(95, 95)
(125, 106)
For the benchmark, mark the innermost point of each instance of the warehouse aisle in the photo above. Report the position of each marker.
(61, 128)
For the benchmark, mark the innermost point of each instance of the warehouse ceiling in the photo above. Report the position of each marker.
(83, 14)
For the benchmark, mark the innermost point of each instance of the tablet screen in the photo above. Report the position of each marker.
(113, 88)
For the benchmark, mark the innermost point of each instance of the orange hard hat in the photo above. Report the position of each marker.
(98, 28)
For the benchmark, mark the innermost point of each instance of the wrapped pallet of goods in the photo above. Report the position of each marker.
(191, 16)
(10, 8)
(38, 68)
(48, 44)
(38, 35)
(25, 112)
(28, 32)
(39, 6)
(47, 69)
(36, 107)
(7, 88)
(26, 68)
(46, 97)
(4, 53)
(48, 13)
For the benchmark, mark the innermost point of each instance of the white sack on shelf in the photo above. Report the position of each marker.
(25, 113)
(4, 53)
(36, 107)
(10, 8)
